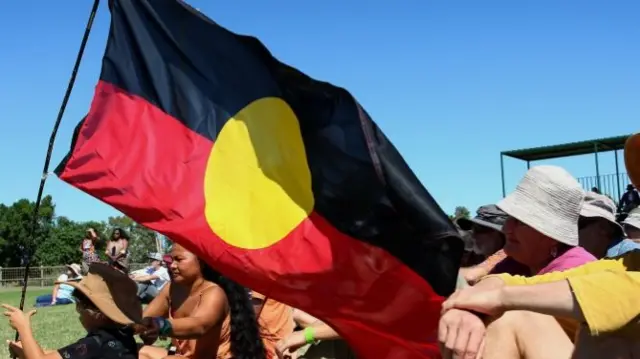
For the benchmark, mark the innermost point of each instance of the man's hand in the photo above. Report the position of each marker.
(461, 335)
(18, 320)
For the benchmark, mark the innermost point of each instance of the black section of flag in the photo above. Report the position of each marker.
(361, 183)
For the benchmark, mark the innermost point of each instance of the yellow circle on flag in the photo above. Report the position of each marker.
(257, 184)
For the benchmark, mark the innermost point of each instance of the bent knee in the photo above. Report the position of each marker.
(518, 319)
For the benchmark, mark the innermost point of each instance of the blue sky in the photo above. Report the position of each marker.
(451, 83)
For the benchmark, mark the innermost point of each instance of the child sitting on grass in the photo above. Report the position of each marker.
(107, 305)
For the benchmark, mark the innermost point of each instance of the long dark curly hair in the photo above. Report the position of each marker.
(246, 342)
(123, 233)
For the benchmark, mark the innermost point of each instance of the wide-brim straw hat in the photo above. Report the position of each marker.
(112, 292)
(548, 199)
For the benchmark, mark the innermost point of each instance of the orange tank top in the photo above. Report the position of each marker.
(187, 347)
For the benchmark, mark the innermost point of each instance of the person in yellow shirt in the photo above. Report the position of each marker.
(601, 295)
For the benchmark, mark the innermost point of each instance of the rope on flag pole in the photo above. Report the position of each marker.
(34, 220)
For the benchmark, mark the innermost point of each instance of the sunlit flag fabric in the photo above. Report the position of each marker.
(277, 180)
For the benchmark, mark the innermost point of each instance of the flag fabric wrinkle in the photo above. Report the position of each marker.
(277, 180)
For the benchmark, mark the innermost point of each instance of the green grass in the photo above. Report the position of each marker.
(53, 327)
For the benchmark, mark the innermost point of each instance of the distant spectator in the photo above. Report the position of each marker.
(275, 320)
(149, 285)
(629, 200)
(118, 250)
(542, 229)
(632, 225)
(599, 232)
(595, 190)
(88, 249)
(62, 293)
(486, 228)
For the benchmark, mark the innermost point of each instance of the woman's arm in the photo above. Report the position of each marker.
(159, 306)
(321, 331)
(555, 299)
(303, 319)
(617, 265)
(316, 331)
(606, 301)
(210, 313)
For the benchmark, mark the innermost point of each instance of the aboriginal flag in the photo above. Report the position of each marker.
(279, 181)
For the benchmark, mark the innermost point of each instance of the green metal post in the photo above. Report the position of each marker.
(528, 165)
(504, 191)
(617, 174)
(595, 150)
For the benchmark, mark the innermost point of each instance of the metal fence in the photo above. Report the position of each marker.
(42, 276)
(609, 184)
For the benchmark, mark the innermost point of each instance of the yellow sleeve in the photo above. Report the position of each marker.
(592, 267)
(609, 300)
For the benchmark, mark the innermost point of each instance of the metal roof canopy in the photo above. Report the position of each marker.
(567, 150)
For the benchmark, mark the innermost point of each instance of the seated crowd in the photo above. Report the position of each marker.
(197, 309)
(550, 274)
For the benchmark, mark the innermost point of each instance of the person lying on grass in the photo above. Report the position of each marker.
(107, 306)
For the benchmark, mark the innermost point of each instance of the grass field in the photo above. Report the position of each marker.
(53, 327)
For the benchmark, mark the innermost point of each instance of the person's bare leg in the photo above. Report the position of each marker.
(151, 352)
(520, 334)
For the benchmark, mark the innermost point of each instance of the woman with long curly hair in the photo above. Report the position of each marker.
(117, 250)
(203, 313)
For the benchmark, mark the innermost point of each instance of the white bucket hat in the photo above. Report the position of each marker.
(633, 219)
(548, 199)
(600, 206)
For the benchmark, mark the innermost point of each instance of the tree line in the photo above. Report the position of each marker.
(57, 238)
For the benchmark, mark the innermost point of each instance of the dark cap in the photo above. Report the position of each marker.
(489, 216)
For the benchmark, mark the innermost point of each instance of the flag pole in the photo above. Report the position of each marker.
(34, 219)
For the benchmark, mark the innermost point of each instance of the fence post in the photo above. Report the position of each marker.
(1, 282)
(41, 276)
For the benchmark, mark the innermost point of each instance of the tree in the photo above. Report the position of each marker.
(15, 223)
(460, 212)
(63, 246)
(57, 240)
(142, 240)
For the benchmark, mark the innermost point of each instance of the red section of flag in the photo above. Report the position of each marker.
(142, 161)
